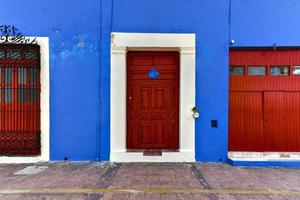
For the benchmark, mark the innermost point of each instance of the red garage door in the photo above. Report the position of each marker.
(264, 100)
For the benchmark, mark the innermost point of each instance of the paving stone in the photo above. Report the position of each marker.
(224, 176)
(146, 181)
(31, 170)
(155, 175)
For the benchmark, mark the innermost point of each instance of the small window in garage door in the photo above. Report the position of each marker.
(257, 70)
(279, 70)
(296, 70)
(237, 70)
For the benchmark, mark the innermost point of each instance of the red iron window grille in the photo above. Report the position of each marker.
(20, 99)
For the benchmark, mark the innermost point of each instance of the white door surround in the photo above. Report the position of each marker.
(185, 45)
(43, 42)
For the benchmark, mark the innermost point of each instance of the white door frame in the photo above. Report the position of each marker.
(185, 45)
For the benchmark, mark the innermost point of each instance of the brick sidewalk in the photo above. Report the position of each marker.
(146, 181)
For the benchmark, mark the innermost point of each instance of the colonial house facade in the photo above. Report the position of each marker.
(150, 81)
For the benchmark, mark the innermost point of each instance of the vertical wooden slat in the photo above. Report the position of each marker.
(274, 121)
(253, 126)
(293, 121)
(236, 121)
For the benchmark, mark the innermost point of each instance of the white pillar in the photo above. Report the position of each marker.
(118, 99)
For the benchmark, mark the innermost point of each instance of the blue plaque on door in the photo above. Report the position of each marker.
(153, 73)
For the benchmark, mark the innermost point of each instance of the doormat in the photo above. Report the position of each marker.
(152, 153)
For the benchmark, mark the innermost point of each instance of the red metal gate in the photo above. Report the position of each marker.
(19, 99)
(264, 100)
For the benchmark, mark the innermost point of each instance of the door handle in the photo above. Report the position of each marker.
(196, 114)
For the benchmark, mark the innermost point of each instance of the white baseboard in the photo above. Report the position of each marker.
(182, 156)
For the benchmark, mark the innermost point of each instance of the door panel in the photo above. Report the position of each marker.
(236, 121)
(160, 133)
(159, 98)
(146, 97)
(152, 103)
(292, 128)
(145, 134)
(274, 121)
(253, 124)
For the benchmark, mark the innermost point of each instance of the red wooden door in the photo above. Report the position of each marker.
(152, 100)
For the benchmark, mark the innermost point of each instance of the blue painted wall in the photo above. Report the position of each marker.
(74, 31)
(79, 33)
(209, 20)
(265, 22)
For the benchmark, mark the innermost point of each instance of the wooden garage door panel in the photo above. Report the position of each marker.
(245, 121)
(292, 128)
(253, 125)
(236, 121)
(274, 121)
(264, 121)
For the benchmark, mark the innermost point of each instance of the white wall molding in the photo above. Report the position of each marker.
(118, 50)
(187, 50)
(185, 45)
(45, 115)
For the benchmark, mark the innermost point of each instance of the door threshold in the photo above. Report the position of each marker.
(151, 152)
(143, 150)
(181, 155)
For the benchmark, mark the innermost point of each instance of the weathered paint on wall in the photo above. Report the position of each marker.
(80, 69)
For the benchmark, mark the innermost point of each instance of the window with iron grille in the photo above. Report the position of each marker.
(19, 99)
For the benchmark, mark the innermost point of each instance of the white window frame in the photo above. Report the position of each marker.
(185, 45)
(43, 42)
